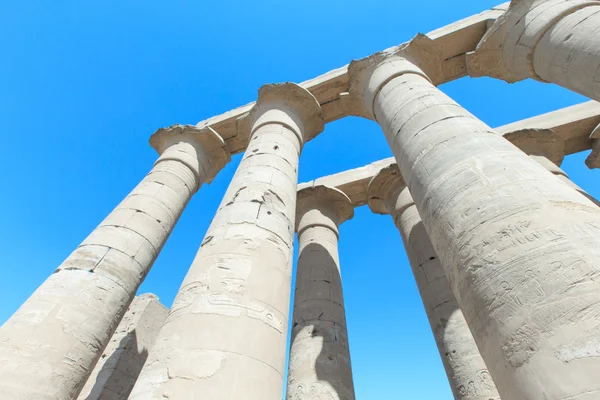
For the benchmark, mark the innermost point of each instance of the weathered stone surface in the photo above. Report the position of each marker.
(467, 373)
(520, 251)
(593, 160)
(122, 360)
(562, 175)
(50, 345)
(549, 40)
(226, 332)
(319, 364)
(542, 142)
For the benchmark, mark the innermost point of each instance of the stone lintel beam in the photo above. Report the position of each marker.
(352, 182)
(571, 124)
(538, 142)
(453, 40)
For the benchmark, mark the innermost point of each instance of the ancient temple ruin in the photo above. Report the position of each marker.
(505, 249)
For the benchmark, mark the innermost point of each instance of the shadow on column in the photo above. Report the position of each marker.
(120, 371)
(320, 366)
(467, 374)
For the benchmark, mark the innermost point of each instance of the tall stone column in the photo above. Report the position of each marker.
(466, 371)
(319, 365)
(521, 253)
(549, 40)
(122, 360)
(562, 175)
(226, 332)
(50, 345)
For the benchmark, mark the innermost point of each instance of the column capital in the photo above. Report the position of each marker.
(287, 104)
(505, 51)
(324, 206)
(593, 160)
(538, 142)
(420, 56)
(201, 149)
(384, 189)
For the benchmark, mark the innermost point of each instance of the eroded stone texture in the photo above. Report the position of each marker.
(547, 149)
(319, 366)
(50, 345)
(467, 373)
(593, 160)
(521, 253)
(549, 40)
(562, 175)
(226, 332)
(122, 360)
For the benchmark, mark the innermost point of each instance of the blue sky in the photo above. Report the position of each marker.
(84, 84)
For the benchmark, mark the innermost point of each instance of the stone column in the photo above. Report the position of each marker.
(50, 345)
(521, 252)
(466, 371)
(319, 365)
(122, 360)
(549, 40)
(562, 175)
(225, 336)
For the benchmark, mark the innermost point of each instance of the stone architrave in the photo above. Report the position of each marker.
(520, 250)
(467, 373)
(225, 336)
(554, 41)
(319, 365)
(122, 360)
(50, 345)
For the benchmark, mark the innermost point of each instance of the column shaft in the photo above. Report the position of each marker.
(520, 251)
(319, 365)
(225, 335)
(467, 373)
(122, 360)
(568, 52)
(50, 345)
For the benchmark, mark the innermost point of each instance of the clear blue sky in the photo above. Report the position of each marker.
(83, 84)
